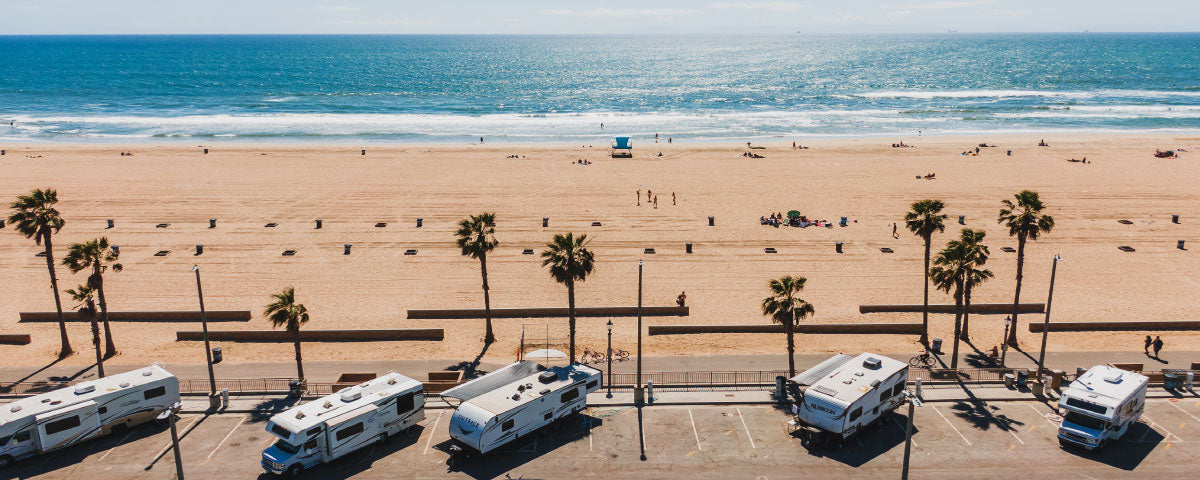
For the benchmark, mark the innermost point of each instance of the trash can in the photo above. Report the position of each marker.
(318, 222)
(545, 222)
(1170, 381)
(962, 219)
(346, 250)
(710, 221)
(936, 346)
(838, 247)
(420, 221)
(295, 388)
(687, 247)
(224, 398)
(216, 354)
(1036, 388)
(110, 223)
(780, 395)
(199, 249)
(1009, 381)
(1056, 377)
(1174, 218)
(212, 223)
(1022, 378)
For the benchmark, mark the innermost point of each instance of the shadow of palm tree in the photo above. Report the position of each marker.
(32, 374)
(73, 377)
(471, 369)
(265, 409)
(981, 416)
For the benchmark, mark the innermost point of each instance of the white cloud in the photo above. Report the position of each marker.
(945, 5)
(338, 8)
(761, 6)
(622, 13)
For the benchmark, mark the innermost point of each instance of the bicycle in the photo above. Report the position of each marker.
(620, 355)
(922, 360)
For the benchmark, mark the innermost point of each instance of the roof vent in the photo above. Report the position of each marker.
(1114, 377)
(15, 408)
(391, 380)
(124, 385)
(544, 391)
(516, 397)
(351, 394)
(547, 377)
(82, 389)
(874, 383)
(147, 372)
(299, 415)
(872, 363)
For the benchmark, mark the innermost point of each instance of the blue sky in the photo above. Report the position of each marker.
(594, 17)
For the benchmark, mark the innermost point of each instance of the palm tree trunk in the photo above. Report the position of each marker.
(96, 338)
(1012, 332)
(925, 310)
(299, 358)
(571, 315)
(966, 314)
(791, 346)
(65, 349)
(488, 337)
(110, 349)
(958, 312)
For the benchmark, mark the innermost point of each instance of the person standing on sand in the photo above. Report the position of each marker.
(1149, 341)
(1158, 344)
(656, 201)
(648, 196)
(639, 203)
(672, 198)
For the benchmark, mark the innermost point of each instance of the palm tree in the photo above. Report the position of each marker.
(476, 236)
(87, 310)
(785, 309)
(977, 255)
(96, 255)
(285, 312)
(569, 261)
(35, 217)
(925, 219)
(947, 276)
(1025, 221)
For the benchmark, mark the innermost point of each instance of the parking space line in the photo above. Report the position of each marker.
(694, 433)
(1040, 414)
(227, 435)
(1014, 434)
(589, 432)
(748, 435)
(903, 430)
(432, 431)
(1155, 424)
(183, 433)
(939, 412)
(119, 443)
(1185, 412)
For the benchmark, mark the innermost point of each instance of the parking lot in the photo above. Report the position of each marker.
(952, 440)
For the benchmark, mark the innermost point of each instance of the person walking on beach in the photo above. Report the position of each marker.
(639, 203)
(1158, 344)
(649, 197)
(656, 202)
(672, 198)
(1149, 341)
(895, 234)
(480, 139)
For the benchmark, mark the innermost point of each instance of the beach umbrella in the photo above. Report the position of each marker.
(793, 213)
(545, 354)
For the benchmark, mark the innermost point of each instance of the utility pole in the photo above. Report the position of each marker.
(212, 381)
(1046, 324)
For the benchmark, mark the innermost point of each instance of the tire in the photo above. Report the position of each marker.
(294, 471)
(5, 461)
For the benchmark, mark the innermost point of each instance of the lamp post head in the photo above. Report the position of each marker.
(195, 268)
(610, 326)
(639, 263)
(1058, 258)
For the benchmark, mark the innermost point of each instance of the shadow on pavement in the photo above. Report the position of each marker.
(871, 442)
(503, 460)
(1127, 453)
(265, 409)
(362, 460)
(72, 456)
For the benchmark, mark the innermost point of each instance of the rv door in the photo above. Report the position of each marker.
(59, 428)
(350, 431)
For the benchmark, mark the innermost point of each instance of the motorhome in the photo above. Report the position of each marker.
(842, 395)
(1100, 405)
(516, 400)
(332, 426)
(83, 411)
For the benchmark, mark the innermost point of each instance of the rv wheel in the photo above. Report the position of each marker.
(5, 461)
(295, 470)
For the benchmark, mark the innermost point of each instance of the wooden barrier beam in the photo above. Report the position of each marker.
(807, 328)
(548, 312)
(976, 308)
(424, 334)
(148, 317)
(15, 339)
(1036, 327)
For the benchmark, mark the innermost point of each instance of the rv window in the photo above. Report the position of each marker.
(899, 388)
(349, 431)
(507, 425)
(855, 414)
(1091, 407)
(592, 384)
(569, 395)
(279, 430)
(62, 425)
(548, 415)
(405, 403)
(287, 447)
(22, 436)
(102, 410)
(884, 395)
(312, 432)
(4, 441)
(155, 392)
(311, 444)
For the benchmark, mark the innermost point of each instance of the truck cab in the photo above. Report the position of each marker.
(1100, 406)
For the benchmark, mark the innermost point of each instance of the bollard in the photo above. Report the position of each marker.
(199, 249)
(838, 247)
(110, 223)
(1174, 218)
(545, 222)
(710, 221)
(918, 389)
(318, 223)
(1180, 245)
(650, 392)
(224, 398)
(347, 249)
(686, 246)
(1190, 376)
(962, 219)
(419, 222)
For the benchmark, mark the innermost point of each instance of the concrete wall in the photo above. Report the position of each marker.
(430, 334)
(976, 308)
(835, 328)
(549, 312)
(15, 339)
(1036, 327)
(178, 316)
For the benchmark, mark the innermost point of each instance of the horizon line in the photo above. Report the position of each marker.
(669, 34)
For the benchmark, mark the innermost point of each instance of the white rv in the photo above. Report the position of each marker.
(86, 410)
(516, 400)
(845, 394)
(1100, 406)
(334, 425)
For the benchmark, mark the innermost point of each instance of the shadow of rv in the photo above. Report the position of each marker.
(70, 457)
(520, 451)
(1126, 453)
(871, 442)
(360, 461)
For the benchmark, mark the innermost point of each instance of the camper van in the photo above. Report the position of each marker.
(516, 400)
(334, 425)
(1100, 405)
(844, 394)
(86, 410)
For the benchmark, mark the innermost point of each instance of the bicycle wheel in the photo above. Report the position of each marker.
(916, 362)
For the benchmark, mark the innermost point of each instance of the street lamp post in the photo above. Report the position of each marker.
(913, 401)
(639, 327)
(212, 381)
(1004, 344)
(1046, 324)
(170, 414)
(610, 325)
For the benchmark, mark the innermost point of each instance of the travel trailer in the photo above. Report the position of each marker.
(844, 394)
(86, 410)
(1100, 406)
(332, 426)
(516, 400)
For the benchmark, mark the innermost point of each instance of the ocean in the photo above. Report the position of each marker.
(430, 89)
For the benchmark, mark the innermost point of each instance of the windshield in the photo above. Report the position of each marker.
(287, 447)
(1086, 420)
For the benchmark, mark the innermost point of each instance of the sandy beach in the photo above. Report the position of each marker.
(245, 186)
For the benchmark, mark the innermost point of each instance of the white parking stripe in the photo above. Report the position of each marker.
(748, 435)
(1155, 424)
(694, 433)
(432, 431)
(939, 412)
(1014, 434)
(1043, 415)
(1184, 411)
(227, 435)
(119, 443)
(902, 430)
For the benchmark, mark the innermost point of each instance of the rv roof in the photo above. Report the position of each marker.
(500, 399)
(89, 390)
(852, 379)
(1106, 385)
(312, 413)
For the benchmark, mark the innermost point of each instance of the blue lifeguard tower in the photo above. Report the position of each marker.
(622, 147)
